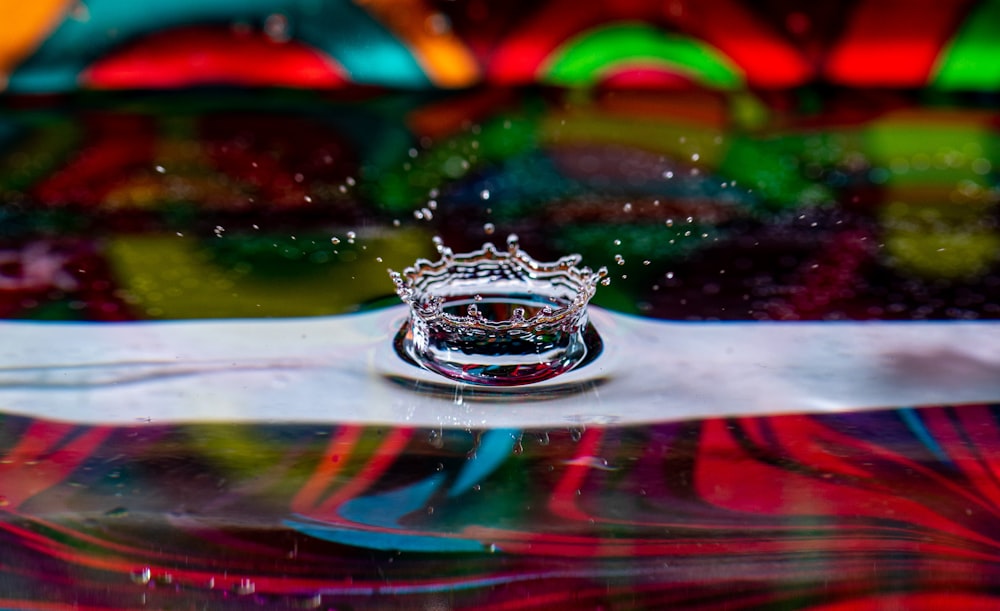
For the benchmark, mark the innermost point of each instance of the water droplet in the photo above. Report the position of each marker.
(627, 208)
(276, 27)
(141, 576)
(489, 228)
(335, 240)
(695, 157)
(535, 326)
(484, 194)
(617, 242)
(350, 237)
(668, 174)
(244, 587)
(161, 169)
(670, 275)
(350, 181)
(669, 222)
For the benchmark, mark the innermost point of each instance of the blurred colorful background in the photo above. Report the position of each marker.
(853, 145)
(729, 160)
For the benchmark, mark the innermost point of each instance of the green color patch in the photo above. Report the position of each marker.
(970, 61)
(583, 60)
(173, 277)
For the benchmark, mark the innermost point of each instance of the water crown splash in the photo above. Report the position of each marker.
(497, 318)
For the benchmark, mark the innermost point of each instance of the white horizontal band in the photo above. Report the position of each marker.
(343, 369)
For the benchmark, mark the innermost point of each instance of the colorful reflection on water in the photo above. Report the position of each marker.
(893, 507)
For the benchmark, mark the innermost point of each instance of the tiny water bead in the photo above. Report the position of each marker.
(497, 318)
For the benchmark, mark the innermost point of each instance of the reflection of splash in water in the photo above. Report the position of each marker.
(497, 318)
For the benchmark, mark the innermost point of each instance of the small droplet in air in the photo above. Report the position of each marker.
(276, 27)
(141, 576)
(670, 275)
(161, 169)
(695, 157)
(617, 242)
(335, 240)
(350, 237)
(620, 260)
(484, 194)
(489, 228)
(668, 174)
(245, 587)
(627, 207)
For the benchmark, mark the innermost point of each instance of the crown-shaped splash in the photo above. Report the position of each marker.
(496, 317)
